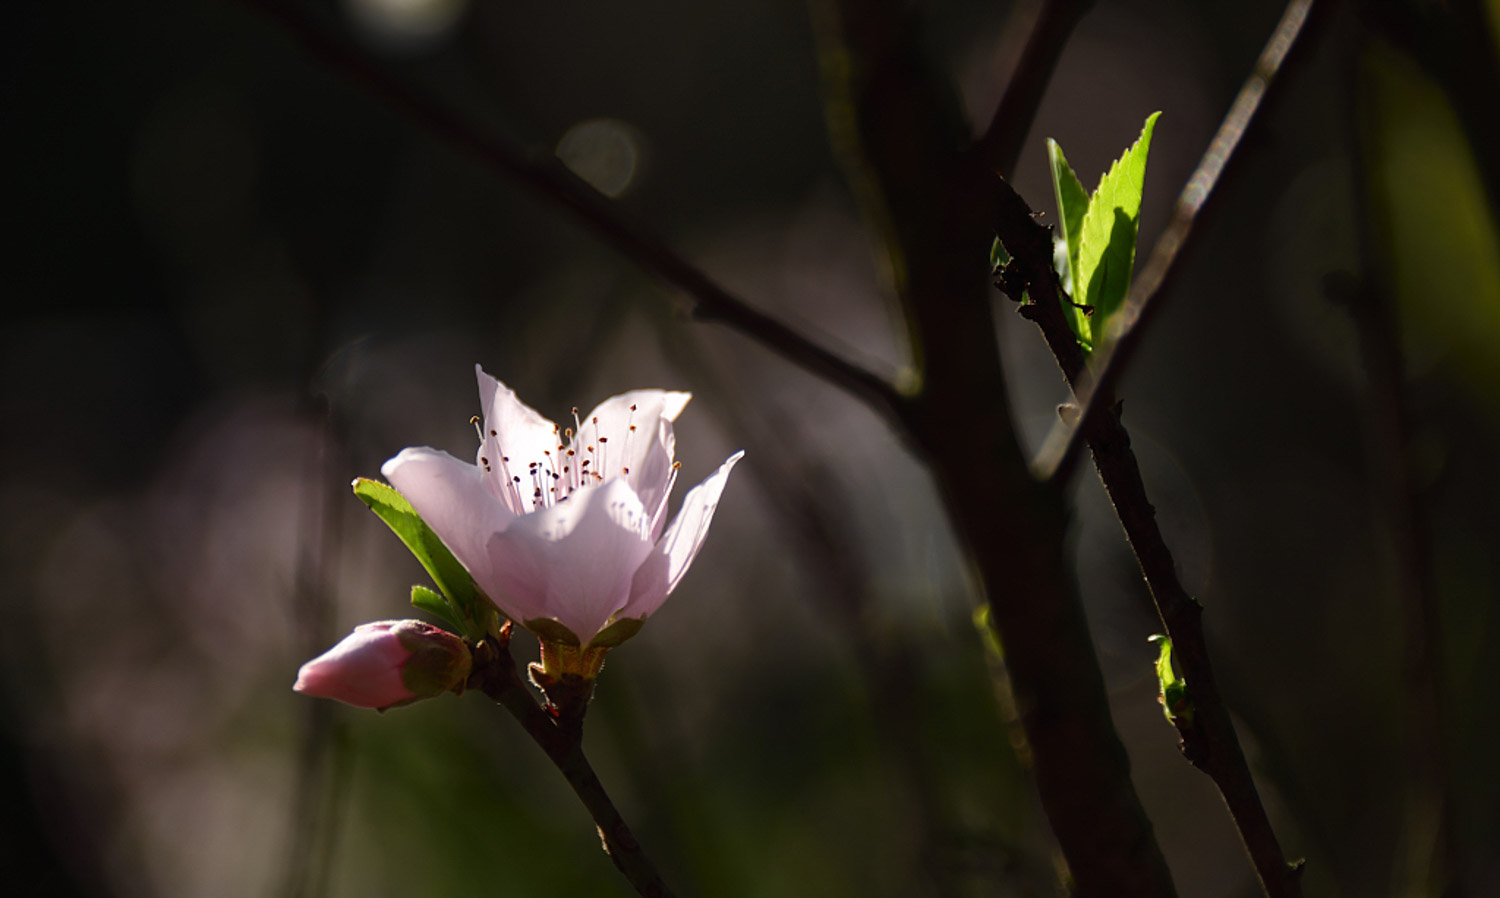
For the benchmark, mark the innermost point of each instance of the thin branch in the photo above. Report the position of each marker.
(901, 136)
(1124, 329)
(495, 675)
(548, 178)
(1001, 144)
(1208, 736)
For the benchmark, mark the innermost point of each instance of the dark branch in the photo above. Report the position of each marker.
(1123, 330)
(1208, 737)
(1001, 144)
(900, 137)
(495, 675)
(549, 179)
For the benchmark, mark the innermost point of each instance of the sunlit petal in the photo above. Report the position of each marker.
(451, 497)
(580, 555)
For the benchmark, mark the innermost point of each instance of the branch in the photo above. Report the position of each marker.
(549, 179)
(1001, 144)
(1208, 737)
(900, 136)
(495, 675)
(1123, 330)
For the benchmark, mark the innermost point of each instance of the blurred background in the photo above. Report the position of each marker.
(238, 278)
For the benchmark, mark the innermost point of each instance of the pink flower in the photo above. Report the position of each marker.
(388, 663)
(566, 526)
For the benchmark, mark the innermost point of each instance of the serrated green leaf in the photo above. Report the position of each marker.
(1106, 249)
(1072, 204)
(424, 599)
(464, 597)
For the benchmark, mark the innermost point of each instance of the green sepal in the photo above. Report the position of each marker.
(1174, 697)
(617, 632)
(432, 602)
(549, 630)
(473, 610)
(1106, 249)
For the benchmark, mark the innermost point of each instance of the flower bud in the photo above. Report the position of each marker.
(388, 663)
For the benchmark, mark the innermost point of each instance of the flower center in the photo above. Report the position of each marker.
(580, 456)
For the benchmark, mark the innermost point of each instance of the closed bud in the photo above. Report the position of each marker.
(388, 663)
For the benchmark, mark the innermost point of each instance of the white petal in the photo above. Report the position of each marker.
(580, 555)
(642, 456)
(515, 431)
(659, 574)
(451, 497)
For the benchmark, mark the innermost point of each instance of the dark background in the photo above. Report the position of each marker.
(238, 278)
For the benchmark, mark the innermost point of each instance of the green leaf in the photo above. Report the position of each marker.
(999, 258)
(467, 602)
(1106, 248)
(424, 599)
(1072, 203)
(1174, 697)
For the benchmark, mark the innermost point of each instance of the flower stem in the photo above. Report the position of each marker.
(495, 675)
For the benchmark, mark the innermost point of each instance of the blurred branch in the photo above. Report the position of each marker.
(545, 176)
(898, 135)
(1436, 867)
(496, 676)
(1001, 144)
(316, 812)
(1095, 383)
(1208, 736)
(1455, 43)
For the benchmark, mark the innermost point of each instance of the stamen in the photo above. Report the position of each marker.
(478, 428)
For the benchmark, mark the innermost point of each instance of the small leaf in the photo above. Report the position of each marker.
(999, 258)
(1106, 249)
(424, 599)
(1174, 698)
(465, 598)
(617, 632)
(1072, 203)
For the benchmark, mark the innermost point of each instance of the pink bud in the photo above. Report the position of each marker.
(388, 663)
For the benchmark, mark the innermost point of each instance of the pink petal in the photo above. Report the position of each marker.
(451, 497)
(642, 456)
(514, 430)
(364, 669)
(659, 574)
(580, 555)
